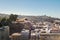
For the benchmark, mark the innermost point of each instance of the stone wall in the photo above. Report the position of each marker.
(50, 36)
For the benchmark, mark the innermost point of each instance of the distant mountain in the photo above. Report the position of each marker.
(34, 18)
(4, 15)
(40, 18)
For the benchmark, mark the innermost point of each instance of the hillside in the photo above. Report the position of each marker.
(34, 18)
(17, 27)
(40, 18)
(4, 15)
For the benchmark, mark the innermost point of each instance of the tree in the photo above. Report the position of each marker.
(0, 24)
(3, 22)
(13, 17)
(8, 22)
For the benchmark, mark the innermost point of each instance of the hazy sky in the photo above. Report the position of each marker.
(31, 7)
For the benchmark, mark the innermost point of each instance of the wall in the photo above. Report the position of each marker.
(4, 33)
(50, 36)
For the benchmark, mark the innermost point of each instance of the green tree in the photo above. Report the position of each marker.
(13, 17)
(3, 22)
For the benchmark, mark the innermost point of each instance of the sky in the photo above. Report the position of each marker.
(31, 7)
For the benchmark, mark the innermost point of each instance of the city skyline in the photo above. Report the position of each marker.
(31, 7)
